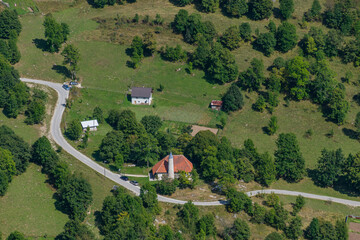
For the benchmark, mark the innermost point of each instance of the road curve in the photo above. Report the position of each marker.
(57, 136)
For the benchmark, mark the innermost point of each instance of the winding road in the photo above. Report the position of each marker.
(57, 136)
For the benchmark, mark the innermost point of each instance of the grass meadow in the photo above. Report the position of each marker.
(29, 206)
(106, 79)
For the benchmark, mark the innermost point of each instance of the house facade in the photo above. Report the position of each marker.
(170, 166)
(216, 104)
(141, 96)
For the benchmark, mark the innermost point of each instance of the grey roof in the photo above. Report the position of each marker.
(141, 92)
(90, 124)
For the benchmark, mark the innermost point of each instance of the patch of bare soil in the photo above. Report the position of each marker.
(355, 227)
(200, 193)
(197, 129)
(354, 236)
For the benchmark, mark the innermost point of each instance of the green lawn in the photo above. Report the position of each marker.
(28, 206)
(23, 6)
(106, 80)
(29, 133)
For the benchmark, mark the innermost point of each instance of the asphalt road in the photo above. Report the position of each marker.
(57, 136)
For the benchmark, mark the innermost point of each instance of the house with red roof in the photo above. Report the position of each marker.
(170, 166)
(216, 104)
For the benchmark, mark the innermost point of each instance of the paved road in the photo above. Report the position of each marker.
(57, 136)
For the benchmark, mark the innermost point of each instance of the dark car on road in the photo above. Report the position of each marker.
(135, 183)
(66, 87)
(125, 178)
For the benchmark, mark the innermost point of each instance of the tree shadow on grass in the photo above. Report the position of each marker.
(340, 186)
(58, 205)
(96, 155)
(98, 219)
(62, 70)
(343, 187)
(350, 133)
(356, 98)
(265, 130)
(129, 52)
(41, 44)
(277, 13)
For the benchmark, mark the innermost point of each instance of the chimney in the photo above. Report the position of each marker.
(171, 167)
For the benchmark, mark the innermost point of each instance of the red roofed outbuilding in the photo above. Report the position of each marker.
(170, 166)
(216, 104)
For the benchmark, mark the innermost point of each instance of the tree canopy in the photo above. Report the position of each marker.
(289, 162)
(55, 33)
(260, 9)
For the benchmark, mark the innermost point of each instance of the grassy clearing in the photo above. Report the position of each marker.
(23, 6)
(223, 219)
(185, 98)
(29, 133)
(100, 185)
(28, 206)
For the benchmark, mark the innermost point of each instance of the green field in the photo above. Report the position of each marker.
(106, 79)
(29, 133)
(28, 206)
(23, 6)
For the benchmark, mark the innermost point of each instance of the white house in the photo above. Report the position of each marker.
(92, 124)
(141, 95)
(170, 166)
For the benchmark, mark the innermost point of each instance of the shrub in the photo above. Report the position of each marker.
(174, 54)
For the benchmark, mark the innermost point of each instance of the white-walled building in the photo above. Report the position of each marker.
(92, 124)
(141, 95)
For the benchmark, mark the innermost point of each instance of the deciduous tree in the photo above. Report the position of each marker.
(260, 9)
(17, 146)
(149, 197)
(298, 205)
(114, 146)
(180, 21)
(298, 77)
(233, 99)
(71, 56)
(98, 114)
(265, 43)
(221, 65)
(9, 22)
(235, 8)
(74, 130)
(329, 167)
(294, 231)
(7, 164)
(4, 183)
(245, 31)
(35, 112)
(151, 123)
(239, 231)
(286, 8)
(209, 5)
(231, 38)
(265, 170)
(75, 196)
(44, 155)
(149, 43)
(55, 33)
(286, 37)
(289, 162)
